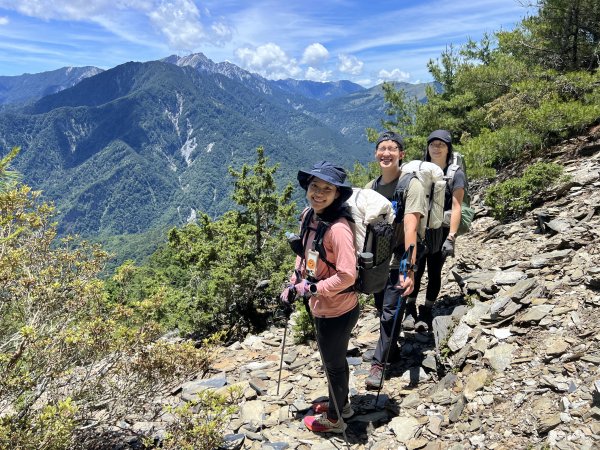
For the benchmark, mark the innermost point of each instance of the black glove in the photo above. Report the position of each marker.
(288, 295)
(287, 298)
(448, 248)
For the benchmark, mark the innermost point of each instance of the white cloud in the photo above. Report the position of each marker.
(268, 60)
(179, 22)
(222, 30)
(350, 64)
(315, 54)
(365, 82)
(394, 75)
(3, 20)
(317, 75)
(67, 10)
(122, 30)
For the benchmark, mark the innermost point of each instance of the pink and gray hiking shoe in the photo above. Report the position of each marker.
(323, 407)
(321, 424)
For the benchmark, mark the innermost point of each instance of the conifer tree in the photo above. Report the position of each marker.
(255, 190)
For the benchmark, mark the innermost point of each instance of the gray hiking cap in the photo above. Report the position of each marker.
(442, 135)
(390, 136)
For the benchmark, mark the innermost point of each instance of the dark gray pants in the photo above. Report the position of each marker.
(386, 303)
(333, 335)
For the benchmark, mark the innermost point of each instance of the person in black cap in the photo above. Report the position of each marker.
(389, 152)
(439, 151)
(328, 285)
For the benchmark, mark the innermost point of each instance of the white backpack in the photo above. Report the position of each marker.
(431, 177)
(368, 207)
(373, 229)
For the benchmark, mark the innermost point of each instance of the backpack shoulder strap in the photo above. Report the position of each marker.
(452, 169)
(375, 183)
(399, 197)
(317, 243)
(402, 188)
(306, 217)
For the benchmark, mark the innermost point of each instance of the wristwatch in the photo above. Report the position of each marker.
(313, 289)
(409, 268)
(412, 268)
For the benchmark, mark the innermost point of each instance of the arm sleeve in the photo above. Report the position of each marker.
(415, 199)
(459, 181)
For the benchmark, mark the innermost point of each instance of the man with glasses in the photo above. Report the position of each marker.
(389, 152)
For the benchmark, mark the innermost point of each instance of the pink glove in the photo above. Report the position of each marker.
(303, 288)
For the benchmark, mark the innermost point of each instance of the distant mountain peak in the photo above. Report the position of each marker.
(24, 88)
(196, 60)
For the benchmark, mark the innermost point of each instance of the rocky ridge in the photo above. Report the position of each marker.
(513, 361)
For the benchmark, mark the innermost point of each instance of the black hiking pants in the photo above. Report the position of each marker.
(386, 303)
(333, 334)
(434, 263)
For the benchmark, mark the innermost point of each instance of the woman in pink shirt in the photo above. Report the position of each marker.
(325, 275)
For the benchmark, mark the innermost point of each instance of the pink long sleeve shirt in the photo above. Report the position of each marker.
(339, 246)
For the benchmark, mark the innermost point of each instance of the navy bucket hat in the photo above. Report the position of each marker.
(326, 171)
(441, 135)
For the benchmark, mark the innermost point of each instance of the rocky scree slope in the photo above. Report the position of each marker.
(512, 362)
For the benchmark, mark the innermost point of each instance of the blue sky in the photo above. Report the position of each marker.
(363, 41)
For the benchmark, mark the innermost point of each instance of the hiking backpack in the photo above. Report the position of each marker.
(466, 212)
(431, 177)
(371, 221)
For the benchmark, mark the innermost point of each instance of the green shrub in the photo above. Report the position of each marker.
(512, 198)
(493, 149)
(200, 423)
(555, 120)
(51, 429)
(303, 325)
(69, 359)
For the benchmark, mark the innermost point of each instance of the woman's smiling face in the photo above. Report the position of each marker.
(321, 194)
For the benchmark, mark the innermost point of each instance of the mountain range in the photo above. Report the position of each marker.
(146, 145)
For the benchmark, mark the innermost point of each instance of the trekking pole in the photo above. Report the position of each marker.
(337, 408)
(287, 310)
(404, 268)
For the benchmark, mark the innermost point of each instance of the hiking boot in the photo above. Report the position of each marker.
(410, 316)
(323, 407)
(373, 381)
(425, 318)
(322, 424)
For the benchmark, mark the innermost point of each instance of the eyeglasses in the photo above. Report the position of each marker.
(389, 149)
